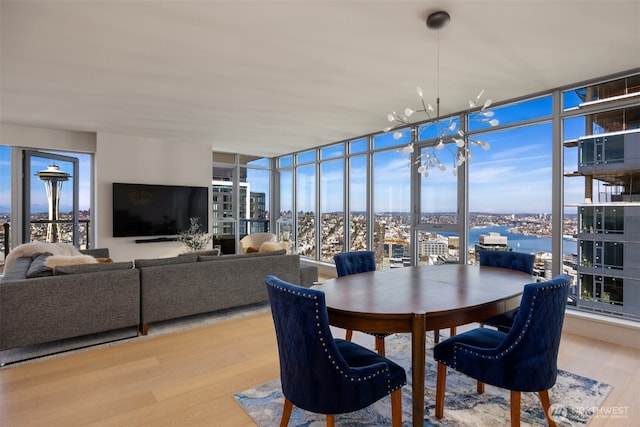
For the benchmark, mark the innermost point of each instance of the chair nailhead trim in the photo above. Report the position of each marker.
(458, 347)
(333, 362)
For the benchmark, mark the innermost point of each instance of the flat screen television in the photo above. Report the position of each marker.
(157, 210)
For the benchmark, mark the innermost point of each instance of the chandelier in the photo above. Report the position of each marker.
(447, 134)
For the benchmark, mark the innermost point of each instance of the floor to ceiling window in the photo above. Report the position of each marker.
(5, 199)
(391, 194)
(506, 196)
(306, 204)
(357, 190)
(332, 161)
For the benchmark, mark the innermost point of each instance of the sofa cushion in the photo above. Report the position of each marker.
(18, 270)
(92, 268)
(237, 256)
(38, 267)
(154, 262)
(215, 251)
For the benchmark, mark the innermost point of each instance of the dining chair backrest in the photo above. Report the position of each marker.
(354, 262)
(530, 348)
(314, 373)
(507, 259)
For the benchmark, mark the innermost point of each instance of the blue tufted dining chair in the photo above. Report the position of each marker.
(522, 360)
(355, 262)
(322, 374)
(506, 259)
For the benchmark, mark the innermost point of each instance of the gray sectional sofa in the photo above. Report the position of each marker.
(86, 299)
(189, 284)
(78, 300)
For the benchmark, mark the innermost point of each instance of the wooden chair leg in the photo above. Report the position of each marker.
(331, 420)
(441, 383)
(546, 405)
(436, 336)
(452, 331)
(515, 408)
(348, 335)
(396, 408)
(286, 412)
(480, 387)
(380, 346)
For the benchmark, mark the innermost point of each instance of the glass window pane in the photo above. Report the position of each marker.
(613, 149)
(306, 206)
(257, 185)
(613, 291)
(437, 248)
(439, 191)
(332, 152)
(392, 139)
(537, 108)
(306, 157)
(445, 127)
(331, 208)
(358, 146)
(391, 204)
(5, 196)
(613, 89)
(511, 184)
(613, 255)
(284, 222)
(252, 161)
(586, 287)
(223, 204)
(614, 219)
(586, 219)
(587, 258)
(285, 162)
(358, 230)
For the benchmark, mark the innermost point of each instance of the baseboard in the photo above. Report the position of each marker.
(603, 328)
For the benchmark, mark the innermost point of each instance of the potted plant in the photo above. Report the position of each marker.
(195, 239)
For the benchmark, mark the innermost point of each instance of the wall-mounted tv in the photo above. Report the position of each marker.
(157, 210)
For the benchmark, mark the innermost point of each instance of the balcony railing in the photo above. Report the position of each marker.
(65, 229)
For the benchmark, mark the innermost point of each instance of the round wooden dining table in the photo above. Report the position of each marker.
(420, 299)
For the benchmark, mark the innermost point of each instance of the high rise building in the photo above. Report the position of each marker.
(608, 267)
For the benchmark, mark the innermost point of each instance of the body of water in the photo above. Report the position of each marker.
(520, 242)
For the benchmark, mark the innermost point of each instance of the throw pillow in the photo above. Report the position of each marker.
(38, 267)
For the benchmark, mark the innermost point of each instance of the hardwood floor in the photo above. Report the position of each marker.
(188, 379)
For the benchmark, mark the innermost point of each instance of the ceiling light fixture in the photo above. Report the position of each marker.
(450, 133)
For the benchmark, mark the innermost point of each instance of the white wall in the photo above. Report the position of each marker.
(121, 158)
(50, 139)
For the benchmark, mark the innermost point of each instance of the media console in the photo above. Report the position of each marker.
(157, 239)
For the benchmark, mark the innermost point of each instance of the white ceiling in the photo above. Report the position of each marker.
(271, 77)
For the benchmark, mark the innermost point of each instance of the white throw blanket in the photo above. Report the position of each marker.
(60, 249)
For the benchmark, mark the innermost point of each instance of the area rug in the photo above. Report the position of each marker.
(574, 400)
